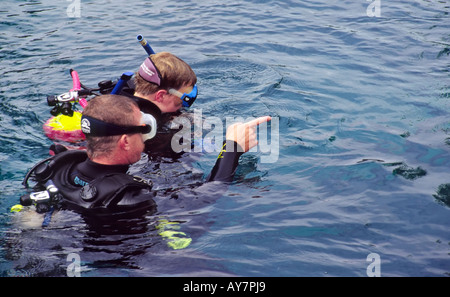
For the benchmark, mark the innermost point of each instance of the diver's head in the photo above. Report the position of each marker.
(115, 129)
(167, 81)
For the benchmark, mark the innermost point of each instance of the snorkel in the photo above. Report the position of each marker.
(145, 45)
(123, 79)
(126, 76)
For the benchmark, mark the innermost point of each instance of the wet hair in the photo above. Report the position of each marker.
(113, 109)
(175, 73)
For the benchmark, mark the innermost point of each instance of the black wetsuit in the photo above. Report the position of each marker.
(89, 187)
(223, 170)
(86, 171)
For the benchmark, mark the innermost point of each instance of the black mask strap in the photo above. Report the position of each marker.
(94, 127)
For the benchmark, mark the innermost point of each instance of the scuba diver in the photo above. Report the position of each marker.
(162, 85)
(166, 81)
(96, 181)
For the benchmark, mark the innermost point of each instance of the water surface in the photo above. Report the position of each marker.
(364, 156)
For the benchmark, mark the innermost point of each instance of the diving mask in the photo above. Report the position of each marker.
(148, 120)
(187, 98)
(93, 127)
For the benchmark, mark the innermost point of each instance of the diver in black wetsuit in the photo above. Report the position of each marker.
(97, 181)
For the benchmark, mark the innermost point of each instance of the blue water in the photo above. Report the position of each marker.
(364, 135)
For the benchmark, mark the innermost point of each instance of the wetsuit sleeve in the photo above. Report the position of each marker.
(226, 163)
(202, 194)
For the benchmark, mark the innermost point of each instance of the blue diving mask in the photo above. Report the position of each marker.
(187, 99)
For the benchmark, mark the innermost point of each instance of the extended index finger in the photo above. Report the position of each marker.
(256, 122)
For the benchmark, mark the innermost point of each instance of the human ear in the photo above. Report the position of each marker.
(124, 142)
(159, 95)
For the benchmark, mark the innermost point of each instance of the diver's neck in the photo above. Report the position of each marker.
(146, 97)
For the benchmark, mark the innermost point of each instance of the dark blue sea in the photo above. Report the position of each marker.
(361, 92)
